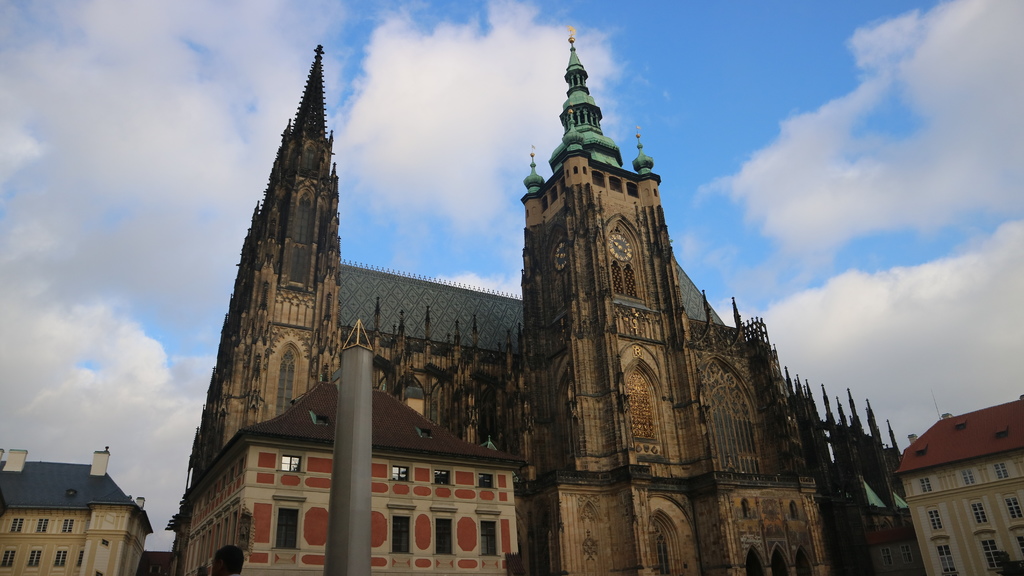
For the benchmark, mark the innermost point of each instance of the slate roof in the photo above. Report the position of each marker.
(395, 427)
(50, 485)
(987, 431)
(496, 314)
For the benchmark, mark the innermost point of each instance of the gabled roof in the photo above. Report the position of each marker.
(395, 427)
(987, 431)
(58, 485)
(496, 314)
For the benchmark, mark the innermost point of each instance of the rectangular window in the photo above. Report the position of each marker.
(17, 524)
(1001, 471)
(946, 559)
(42, 524)
(105, 542)
(61, 558)
(8, 559)
(926, 484)
(935, 519)
(400, 473)
(907, 553)
(968, 476)
(1020, 544)
(886, 556)
(399, 533)
(1013, 507)
(485, 480)
(488, 538)
(615, 184)
(81, 556)
(34, 556)
(442, 477)
(990, 550)
(291, 463)
(68, 526)
(442, 536)
(287, 528)
(631, 189)
(598, 179)
(979, 513)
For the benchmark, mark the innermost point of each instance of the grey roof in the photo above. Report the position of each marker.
(693, 299)
(58, 485)
(496, 314)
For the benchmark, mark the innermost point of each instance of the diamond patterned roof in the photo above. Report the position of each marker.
(496, 314)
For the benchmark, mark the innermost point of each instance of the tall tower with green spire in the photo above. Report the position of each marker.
(641, 396)
(281, 332)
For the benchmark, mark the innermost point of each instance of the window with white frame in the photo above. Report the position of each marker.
(400, 473)
(34, 556)
(17, 524)
(968, 476)
(42, 524)
(60, 558)
(1001, 471)
(886, 556)
(68, 526)
(988, 547)
(1013, 507)
(926, 484)
(980, 517)
(935, 519)
(291, 463)
(946, 559)
(906, 553)
(8, 559)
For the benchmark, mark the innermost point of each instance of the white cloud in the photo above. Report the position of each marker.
(460, 104)
(135, 138)
(951, 327)
(831, 176)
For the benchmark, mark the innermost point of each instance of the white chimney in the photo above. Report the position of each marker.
(912, 437)
(16, 461)
(99, 462)
(140, 502)
(947, 415)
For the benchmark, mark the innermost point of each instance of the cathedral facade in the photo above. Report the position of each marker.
(657, 438)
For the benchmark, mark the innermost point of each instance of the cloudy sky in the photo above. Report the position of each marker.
(851, 172)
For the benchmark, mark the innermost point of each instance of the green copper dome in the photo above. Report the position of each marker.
(642, 163)
(581, 119)
(534, 181)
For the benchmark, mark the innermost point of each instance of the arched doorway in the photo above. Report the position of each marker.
(754, 564)
(803, 565)
(779, 564)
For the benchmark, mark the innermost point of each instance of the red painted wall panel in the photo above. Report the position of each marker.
(467, 535)
(422, 474)
(465, 478)
(501, 480)
(378, 530)
(264, 478)
(314, 526)
(379, 470)
(313, 559)
(267, 460)
(506, 537)
(261, 514)
(319, 464)
(314, 482)
(289, 480)
(423, 531)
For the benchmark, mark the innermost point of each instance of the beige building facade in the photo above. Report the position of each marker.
(67, 520)
(964, 480)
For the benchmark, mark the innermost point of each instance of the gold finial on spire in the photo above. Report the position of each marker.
(533, 150)
(572, 34)
(637, 132)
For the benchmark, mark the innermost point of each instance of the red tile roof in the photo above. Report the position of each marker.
(395, 427)
(986, 431)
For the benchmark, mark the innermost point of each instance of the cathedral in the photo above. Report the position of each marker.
(657, 438)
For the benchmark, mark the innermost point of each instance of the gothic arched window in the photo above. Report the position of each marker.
(661, 552)
(308, 158)
(304, 222)
(629, 281)
(640, 406)
(617, 278)
(285, 379)
(731, 421)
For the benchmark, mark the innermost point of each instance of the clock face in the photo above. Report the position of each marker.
(620, 247)
(561, 255)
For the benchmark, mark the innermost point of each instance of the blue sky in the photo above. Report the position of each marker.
(849, 171)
